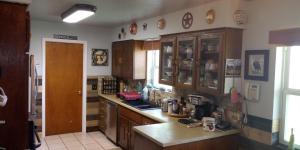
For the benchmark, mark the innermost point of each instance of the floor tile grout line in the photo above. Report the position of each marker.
(98, 143)
(75, 139)
(46, 144)
(81, 141)
(63, 142)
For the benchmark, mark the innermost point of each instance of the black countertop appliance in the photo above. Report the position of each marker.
(202, 104)
(203, 110)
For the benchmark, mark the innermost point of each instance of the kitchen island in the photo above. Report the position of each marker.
(171, 135)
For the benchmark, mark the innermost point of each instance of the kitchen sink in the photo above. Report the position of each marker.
(140, 104)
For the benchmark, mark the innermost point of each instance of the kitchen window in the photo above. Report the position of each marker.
(153, 71)
(291, 95)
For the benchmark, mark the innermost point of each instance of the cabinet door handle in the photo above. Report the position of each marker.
(2, 122)
(2, 148)
(3, 98)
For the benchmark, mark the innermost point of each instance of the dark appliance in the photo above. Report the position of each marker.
(111, 121)
(202, 106)
(203, 110)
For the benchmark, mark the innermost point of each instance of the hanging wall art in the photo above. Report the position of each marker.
(187, 20)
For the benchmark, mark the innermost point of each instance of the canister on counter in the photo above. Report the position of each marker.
(170, 108)
(164, 105)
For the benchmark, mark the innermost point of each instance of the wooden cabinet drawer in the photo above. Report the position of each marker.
(131, 115)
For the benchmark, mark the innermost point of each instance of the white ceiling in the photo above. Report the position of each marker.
(111, 12)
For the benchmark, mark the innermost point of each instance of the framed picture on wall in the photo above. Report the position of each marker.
(99, 57)
(256, 65)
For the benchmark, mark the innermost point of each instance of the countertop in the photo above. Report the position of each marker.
(169, 132)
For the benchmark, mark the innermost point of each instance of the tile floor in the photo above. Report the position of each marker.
(78, 141)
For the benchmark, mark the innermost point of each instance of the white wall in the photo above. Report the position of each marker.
(223, 9)
(96, 37)
(266, 15)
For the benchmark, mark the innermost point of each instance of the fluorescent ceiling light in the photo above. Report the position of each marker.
(78, 12)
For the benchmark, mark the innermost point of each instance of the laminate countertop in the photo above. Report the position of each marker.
(169, 132)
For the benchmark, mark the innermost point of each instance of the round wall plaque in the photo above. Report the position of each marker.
(210, 16)
(133, 28)
(187, 20)
(161, 23)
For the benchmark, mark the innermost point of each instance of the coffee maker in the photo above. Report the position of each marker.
(202, 105)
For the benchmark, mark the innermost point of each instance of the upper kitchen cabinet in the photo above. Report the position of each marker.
(196, 60)
(167, 60)
(214, 47)
(185, 56)
(128, 60)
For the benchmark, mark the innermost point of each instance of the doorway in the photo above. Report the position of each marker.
(64, 86)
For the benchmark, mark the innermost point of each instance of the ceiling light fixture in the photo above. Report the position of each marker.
(78, 12)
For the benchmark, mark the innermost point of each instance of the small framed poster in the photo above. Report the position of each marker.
(257, 65)
(99, 57)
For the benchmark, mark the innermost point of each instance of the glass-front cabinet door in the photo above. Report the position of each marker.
(167, 58)
(185, 62)
(209, 62)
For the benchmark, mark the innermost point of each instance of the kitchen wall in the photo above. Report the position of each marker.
(264, 16)
(96, 37)
(224, 10)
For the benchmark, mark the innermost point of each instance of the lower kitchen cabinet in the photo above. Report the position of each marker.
(127, 120)
(221, 143)
(123, 132)
(102, 114)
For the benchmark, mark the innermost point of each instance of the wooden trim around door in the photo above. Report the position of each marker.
(84, 88)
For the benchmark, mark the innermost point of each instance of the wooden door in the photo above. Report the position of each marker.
(210, 62)
(116, 59)
(123, 132)
(167, 66)
(127, 56)
(185, 56)
(64, 69)
(131, 134)
(14, 75)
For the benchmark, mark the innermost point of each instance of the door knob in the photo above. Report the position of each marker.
(79, 92)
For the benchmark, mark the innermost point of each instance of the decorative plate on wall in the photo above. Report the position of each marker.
(99, 57)
(187, 20)
(161, 23)
(145, 25)
(133, 28)
(210, 16)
